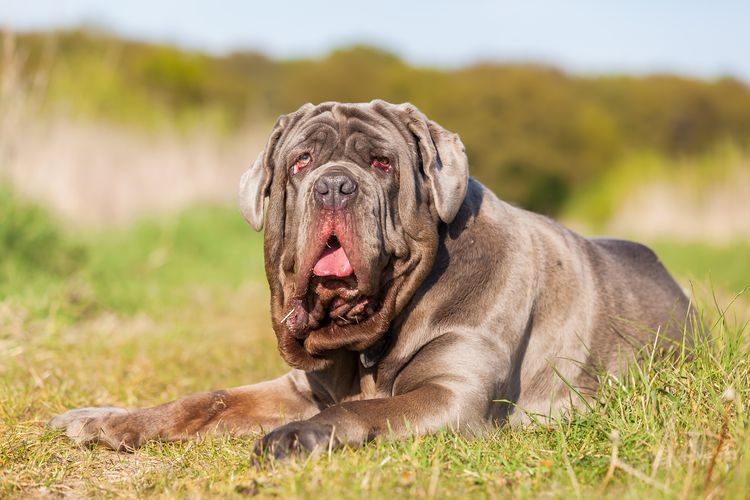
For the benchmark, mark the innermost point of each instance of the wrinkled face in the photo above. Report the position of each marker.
(352, 222)
(341, 201)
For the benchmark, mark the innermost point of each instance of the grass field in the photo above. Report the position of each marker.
(137, 316)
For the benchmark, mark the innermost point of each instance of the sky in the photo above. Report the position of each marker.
(701, 38)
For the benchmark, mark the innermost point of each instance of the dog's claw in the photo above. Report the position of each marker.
(295, 438)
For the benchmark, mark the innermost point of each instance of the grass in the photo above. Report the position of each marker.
(139, 316)
(725, 266)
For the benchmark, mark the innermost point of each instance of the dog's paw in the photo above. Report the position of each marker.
(106, 425)
(295, 438)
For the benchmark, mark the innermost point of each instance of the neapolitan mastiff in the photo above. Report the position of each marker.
(408, 298)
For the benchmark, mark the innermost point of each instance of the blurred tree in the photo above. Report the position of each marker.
(533, 134)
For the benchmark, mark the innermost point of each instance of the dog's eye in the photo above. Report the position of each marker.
(382, 163)
(301, 162)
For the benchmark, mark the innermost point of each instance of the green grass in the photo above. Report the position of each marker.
(726, 267)
(161, 264)
(155, 265)
(142, 315)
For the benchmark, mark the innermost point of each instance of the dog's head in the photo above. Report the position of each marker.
(355, 193)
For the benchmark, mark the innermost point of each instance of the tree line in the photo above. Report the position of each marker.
(533, 133)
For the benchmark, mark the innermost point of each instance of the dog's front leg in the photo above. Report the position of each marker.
(447, 385)
(241, 410)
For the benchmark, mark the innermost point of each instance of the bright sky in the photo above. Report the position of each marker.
(704, 38)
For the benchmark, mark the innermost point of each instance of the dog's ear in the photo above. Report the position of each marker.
(444, 161)
(255, 183)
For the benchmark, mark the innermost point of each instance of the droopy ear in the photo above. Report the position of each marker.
(256, 181)
(254, 185)
(444, 161)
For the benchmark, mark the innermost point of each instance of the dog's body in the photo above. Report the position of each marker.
(436, 305)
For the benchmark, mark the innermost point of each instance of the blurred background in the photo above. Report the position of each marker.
(124, 128)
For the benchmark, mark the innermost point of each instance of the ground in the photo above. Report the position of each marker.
(144, 315)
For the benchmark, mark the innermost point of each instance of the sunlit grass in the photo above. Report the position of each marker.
(723, 266)
(169, 308)
(666, 422)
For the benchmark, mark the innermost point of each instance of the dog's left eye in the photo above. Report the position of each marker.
(301, 162)
(382, 163)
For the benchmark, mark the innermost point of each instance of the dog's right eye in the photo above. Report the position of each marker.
(382, 163)
(301, 162)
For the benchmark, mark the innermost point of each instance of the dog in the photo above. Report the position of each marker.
(408, 298)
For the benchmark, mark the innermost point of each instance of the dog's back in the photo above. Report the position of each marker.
(599, 304)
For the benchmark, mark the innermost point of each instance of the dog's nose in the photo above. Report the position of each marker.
(335, 190)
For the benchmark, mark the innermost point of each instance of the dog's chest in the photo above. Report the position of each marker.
(368, 386)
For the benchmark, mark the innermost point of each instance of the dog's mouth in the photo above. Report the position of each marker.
(330, 293)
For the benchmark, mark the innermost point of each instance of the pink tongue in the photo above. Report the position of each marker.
(333, 262)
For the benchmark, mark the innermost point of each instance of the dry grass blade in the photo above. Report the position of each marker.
(615, 439)
(728, 398)
(571, 475)
(641, 476)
